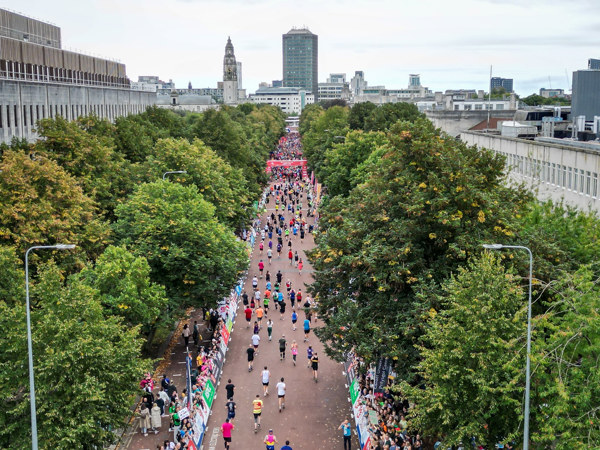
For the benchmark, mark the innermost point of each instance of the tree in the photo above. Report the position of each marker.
(358, 114)
(219, 183)
(42, 204)
(195, 257)
(425, 206)
(122, 281)
(472, 358)
(383, 117)
(87, 367)
(12, 280)
(566, 375)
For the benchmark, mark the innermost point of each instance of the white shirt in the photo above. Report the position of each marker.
(281, 388)
(255, 339)
(257, 295)
(265, 376)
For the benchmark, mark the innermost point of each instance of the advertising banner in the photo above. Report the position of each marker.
(384, 367)
(354, 391)
(209, 393)
(284, 163)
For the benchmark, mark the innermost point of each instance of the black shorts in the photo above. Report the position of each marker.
(315, 366)
(227, 439)
(281, 396)
(256, 415)
(265, 384)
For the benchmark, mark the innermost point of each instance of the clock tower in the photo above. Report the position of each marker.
(230, 78)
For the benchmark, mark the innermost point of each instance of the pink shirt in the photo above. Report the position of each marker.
(227, 427)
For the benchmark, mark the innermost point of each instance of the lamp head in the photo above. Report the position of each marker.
(65, 246)
(493, 246)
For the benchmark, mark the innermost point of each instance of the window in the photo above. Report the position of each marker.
(24, 115)
(569, 178)
(499, 107)
(588, 183)
(595, 185)
(1, 124)
(553, 174)
(581, 181)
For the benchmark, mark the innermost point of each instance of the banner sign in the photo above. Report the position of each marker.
(384, 367)
(209, 393)
(285, 163)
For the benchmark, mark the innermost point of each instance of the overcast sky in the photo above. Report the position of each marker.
(451, 44)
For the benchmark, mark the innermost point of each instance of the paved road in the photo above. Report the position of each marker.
(313, 411)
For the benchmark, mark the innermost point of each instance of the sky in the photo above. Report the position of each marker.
(451, 44)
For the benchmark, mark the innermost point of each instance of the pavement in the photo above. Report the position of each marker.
(313, 411)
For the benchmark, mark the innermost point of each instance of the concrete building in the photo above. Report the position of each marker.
(230, 79)
(506, 83)
(357, 83)
(557, 169)
(585, 100)
(380, 95)
(151, 83)
(239, 74)
(290, 100)
(38, 80)
(192, 100)
(301, 60)
(552, 93)
(336, 88)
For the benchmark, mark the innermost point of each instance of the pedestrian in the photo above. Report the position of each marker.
(282, 345)
(230, 405)
(306, 329)
(255, 342)
(347, 432)
(281, 394)
(196, 333)
(301, 234)
(294, 319)
(226, 429)
(265, 374)
(248, 313)
(186, 334)
(270, 440)
(257, 405)
(294, 348)
(314, 362)
(269, 328)
(144, 415)
(230, 387)
(250, 352)
(300, 266)
(309, 353)
(286, 446)
(155, 419)
(261, 267)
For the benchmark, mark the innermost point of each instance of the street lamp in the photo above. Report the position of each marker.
(172, 171)
(34, 438)
(528, 365)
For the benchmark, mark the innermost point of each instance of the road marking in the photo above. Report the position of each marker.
(214, 438)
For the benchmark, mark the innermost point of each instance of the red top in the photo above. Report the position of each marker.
(261, 265)
(290, 255)
(227, 427)
(248, 312)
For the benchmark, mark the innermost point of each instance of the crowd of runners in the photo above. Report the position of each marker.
(289, 147)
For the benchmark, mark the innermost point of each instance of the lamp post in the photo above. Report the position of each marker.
(172, 171)
(528, 364)
(34, 438)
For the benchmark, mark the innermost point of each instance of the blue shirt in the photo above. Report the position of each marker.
(347, 429)
(286, 447)
(306, 324)
(294, 316)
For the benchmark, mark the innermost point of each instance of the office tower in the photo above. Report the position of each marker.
(506, 83)
(301, 59)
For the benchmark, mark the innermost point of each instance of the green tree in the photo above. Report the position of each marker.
(472, 358)
(12, 280)
(426, 205)
(42, 204)
(87, 368)
(308, 116)
(195, 257)
(383, 117)
(358, 114)
(122, 281)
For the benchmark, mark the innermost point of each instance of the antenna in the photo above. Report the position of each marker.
(568, 82)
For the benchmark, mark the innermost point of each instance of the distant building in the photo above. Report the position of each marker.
(585, 100)
(414, 80)
(193, 100)
(230, 79)
(337, 78)
(301, 60)
(357, 83)
(290, 100)
(151, 83)
(335, 88)
(38, 79)
(506, 83)
(277, 83)
(239, 74)
(552, 93)
(593, 64)
(380, 94)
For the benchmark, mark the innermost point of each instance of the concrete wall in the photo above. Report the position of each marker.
(23, 103)
(555, 171)
(453, 122)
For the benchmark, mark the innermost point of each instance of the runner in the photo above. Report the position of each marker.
(309, 354)
(306, 329)
(255, 342)
(347, 430)
(248, 313)
(291, 257)
(286, 446)
(261, 246)
(230, 387)
(292, 297)
(265, 381)
(226, 429)
(270, 440)
(282, 309)
(259, 315)
(254, 282)
(314, 362)
(257, 405)
(250, 352)
(296, 258)
(300, 266)
(230, 405)
(261, 266)
(270, 255)
(294, 319)
(282, 345)
(281, 394)
(269, 328)
(294, 348)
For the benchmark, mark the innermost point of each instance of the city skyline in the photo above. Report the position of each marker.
(451, 45)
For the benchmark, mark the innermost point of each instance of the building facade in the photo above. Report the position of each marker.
(594, 64)
(290, 100)
(585, 99)
(505, 83)
(230, 80)
(40, 80)
(301, 60)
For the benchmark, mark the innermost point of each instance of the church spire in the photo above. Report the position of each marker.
(229, 63)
